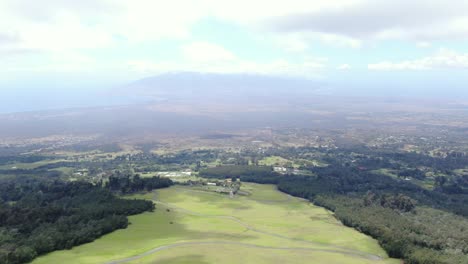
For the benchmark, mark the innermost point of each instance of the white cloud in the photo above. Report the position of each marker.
(206, 52)
(444, 59)
(301, 41)
(344, 67)
(58, 24)
(423, 44)
(255, 11)
(291, 43)
(339, 41)
(70, 28)
(59, 33)
(390, 66)
(418, 20)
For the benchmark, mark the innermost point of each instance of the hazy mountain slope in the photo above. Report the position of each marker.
(199, 86)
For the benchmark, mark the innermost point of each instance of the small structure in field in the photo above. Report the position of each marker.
(280, 169)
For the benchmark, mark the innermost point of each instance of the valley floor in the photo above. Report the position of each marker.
(193, 225)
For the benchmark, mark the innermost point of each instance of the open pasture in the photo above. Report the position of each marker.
(195, 226)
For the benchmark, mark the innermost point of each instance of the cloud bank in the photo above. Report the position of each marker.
(444, 59)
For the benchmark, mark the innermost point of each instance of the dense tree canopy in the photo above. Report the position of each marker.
(130, 184)
(38, 215)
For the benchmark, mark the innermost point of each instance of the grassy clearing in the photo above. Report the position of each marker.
(175, 176)
(265, 227)
(65, 170)
(167, 174)
(387, 172)
(96, 155)
(427, 183)
(461, 171)
(274, 160)
(28, 166)
(280, 161)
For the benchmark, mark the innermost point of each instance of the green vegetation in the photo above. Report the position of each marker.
(385, 213)
(196, 226)
(409, 193)
(134, 183)
(259, 174)
(31, 165)
(295, 163)
(275, 161)
(40, 215)
(425, 235)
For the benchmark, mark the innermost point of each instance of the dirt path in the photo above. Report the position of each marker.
(253, 229)
(154, 250)
(287, 200)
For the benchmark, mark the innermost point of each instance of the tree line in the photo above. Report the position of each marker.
(130, 184)
(39, 215)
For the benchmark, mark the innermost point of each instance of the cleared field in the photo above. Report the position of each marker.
(195, 226)
(280, 161)
(427, 183)
(28, 166)
(274, 160)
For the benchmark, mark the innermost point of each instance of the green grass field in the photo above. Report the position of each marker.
(28, 166)
(427, 183)
(195, 226)
(280, 161)
(274, 161)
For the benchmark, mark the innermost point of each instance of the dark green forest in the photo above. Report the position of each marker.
(130, 184)
(40, 215)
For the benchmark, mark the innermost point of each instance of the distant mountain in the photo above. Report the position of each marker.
(206, 104)
(199, 86)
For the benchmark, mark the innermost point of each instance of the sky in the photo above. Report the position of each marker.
(56, 49)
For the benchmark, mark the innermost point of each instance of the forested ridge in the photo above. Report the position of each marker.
(40, 215)
(412, 223)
